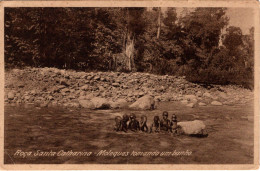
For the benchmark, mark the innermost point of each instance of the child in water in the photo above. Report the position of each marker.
(174, 124)
(133, 124)
(165, 123)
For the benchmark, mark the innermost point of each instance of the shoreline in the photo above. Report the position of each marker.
(45, 87)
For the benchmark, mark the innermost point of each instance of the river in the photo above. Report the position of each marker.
(56, 129)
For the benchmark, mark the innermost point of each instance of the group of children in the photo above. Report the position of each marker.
(131, 123)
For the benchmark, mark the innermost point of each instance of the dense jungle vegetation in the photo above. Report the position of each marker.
(198, 43)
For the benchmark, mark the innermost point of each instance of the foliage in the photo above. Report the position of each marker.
(194, 44)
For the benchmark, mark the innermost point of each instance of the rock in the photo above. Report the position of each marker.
(120, 103)
(45, 104)
(85, 87)
(82, 97)
(199, 94)
(71, 97)
(72, 104)
(190, 105)
(89, 96)
(115, 84)
(50, 98)
(161, 89)
(223, 95)
(101, 88)
(33, 92)
(157, 98)
(184, 101)
(64, 82)
(97, 77)
(190, 97)
(216, 103)
(202, 104)
(100, 103)
(207, 95)
(86, 104)
(20, 85)
(65, 90)
(59, 87)
(144, 103)
(10, 95)
(26, 98)
(192, 127)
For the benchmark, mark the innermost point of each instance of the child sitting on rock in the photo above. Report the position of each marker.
(133, 124)
(165, 123)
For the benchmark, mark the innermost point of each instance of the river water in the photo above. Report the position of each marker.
(30, 130)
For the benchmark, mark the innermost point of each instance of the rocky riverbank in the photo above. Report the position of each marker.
(45, 87)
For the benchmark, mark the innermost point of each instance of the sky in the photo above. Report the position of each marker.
(239, 17)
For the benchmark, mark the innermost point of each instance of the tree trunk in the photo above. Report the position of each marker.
(159, 23)
(129, 47)
(129, 52)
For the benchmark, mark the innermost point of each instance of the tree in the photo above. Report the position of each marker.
(202, 29)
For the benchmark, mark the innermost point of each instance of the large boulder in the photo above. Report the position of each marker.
(216, 103)
(100, 103)
(86, 104)
(192, 127)
(144, 103)
(120, 103)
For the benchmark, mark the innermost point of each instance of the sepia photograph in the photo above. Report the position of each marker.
(129, 85)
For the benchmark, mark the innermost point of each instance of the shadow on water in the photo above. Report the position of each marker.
(229, 139)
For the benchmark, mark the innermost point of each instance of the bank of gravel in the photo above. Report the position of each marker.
(51, 86)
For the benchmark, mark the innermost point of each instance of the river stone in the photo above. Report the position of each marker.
(89, 96)
(190, 105)
(144, 103)
(202, 104)
(192, 127)
(97, 77)
(216, 103)
(85, 87)
(115, 84)
(20, 85)
(27, 98)
(190, 97)
(199, 94)
(72, 104)
(120, 103)
(64, 82)
(65, 90)
(86, 104)
(61, 87)
(100, 103)
(184, 101)
(50, 98)
(207, 95)
(33, 92)
(45, 104)
(223, 95)
(101, 88)
(10, 95)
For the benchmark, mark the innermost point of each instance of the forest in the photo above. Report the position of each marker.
(197, 43)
